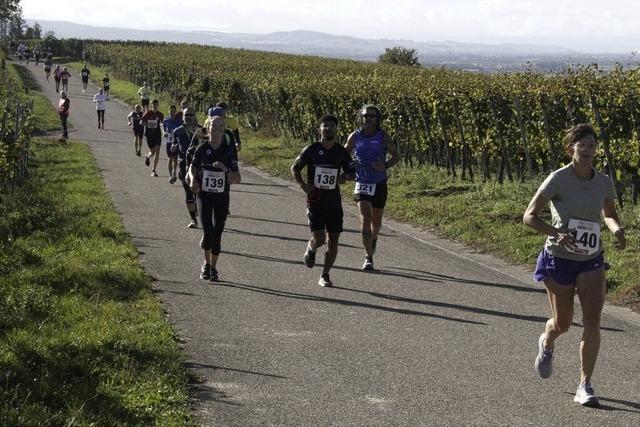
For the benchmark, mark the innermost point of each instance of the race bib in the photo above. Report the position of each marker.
(362, 188)
(105, 84)
(168, 138)
(325, 178)
(587, 235)
(152, 124)
(213, 181)
(85, 74)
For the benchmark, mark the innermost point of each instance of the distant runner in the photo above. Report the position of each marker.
(106, 83)
(169, 125)
(63, 112)
(324, 161)
(186, 139)
(144, 93)
(56, 76)
(370, 145)
(101, 106)
(64, 79)
(47, 68)
(135, 120)
(152, 121)
(572, 260)
(212, 170)
(85, 77)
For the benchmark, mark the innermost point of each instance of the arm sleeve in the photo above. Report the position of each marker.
(549, 187)
(302, 160)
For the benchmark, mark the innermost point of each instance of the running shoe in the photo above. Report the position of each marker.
(543, 363)
(325, 281)
(193, 224)
(138, 153)
(154, 173)
(146, 161)
(205, 272)
(309, 257)
(586, 396)
(368, 264)
(214, 275)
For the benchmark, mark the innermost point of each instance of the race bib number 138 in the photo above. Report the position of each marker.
(325, 178)
(587, 235)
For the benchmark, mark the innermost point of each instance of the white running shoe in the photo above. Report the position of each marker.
(544, 359)
(586, 396)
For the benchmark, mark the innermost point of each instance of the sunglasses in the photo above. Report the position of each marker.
(369, 116)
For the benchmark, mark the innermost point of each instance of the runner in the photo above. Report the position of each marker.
(106, 84)
(231, 123)
(101, 106)
(183, 104)
(63, 111)
(187, 136)
(370, 146)
(212, 170)
(49, 54)
(85, 77)
(64, 79)
(144, 93)
(134, 118)
(169, 125)
(56, 76)
(36, 55)
(152, 121)
(323, 161)
(47, 68)
(572, 260)
(27, 54)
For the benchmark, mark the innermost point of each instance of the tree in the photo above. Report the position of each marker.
(400, 56)
(9, 11)
(37, 31)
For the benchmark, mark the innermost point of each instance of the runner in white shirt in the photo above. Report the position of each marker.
(101, 106)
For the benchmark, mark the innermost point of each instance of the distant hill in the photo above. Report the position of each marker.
(471, 56)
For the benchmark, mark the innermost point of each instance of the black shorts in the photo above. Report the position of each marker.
(154, 141)
(379, 198)
(171, 154)
(85, 80)
(325, 219)
(144, 102)
(138, 131)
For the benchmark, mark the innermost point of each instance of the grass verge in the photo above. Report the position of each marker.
(45, 116)
(84, 340)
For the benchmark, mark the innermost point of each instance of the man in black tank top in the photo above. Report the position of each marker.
(323, 161)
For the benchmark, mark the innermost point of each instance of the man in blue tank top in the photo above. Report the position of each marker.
(369, 145)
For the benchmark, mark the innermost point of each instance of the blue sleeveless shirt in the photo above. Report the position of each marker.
(368, 149)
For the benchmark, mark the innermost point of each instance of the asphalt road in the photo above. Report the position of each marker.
(439, 335)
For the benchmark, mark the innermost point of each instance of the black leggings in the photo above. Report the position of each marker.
(190, 197)
(100, 116)
(213, 210)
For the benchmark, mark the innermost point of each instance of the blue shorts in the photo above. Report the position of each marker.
(564, 271)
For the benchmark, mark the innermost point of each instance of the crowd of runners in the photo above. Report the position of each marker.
(204, 158)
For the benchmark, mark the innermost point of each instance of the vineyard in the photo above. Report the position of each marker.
(488, 127)
(15, 131)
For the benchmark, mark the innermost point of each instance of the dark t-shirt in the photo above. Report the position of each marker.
(105, 82)
(323, 168)
(152, 120)
(85, 73)
(205, 156)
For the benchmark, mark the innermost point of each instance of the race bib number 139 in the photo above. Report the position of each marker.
(213, 181)
(587, 235)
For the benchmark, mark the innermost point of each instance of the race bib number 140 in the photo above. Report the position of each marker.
(587, 235)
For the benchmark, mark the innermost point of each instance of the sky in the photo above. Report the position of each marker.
(587, 25)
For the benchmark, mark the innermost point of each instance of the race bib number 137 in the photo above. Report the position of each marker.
(587, 235)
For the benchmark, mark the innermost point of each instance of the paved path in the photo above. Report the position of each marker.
(439, 335)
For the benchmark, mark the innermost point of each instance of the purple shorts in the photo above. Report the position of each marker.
(564, 271)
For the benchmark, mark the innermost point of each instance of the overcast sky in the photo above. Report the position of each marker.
(585, 25)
